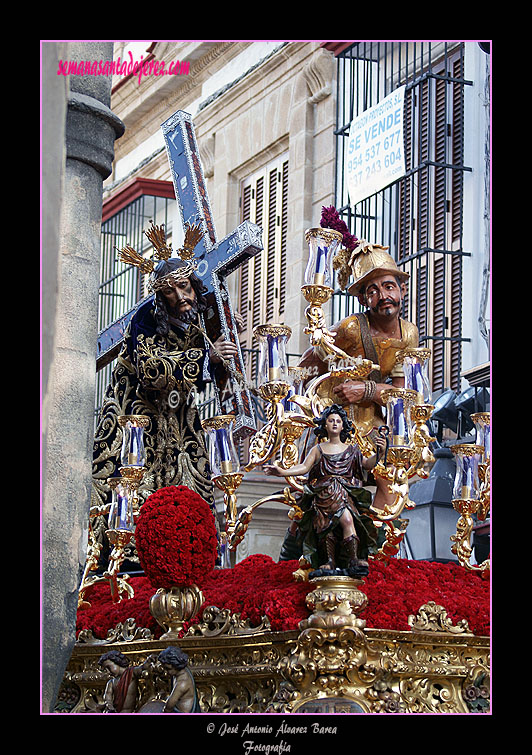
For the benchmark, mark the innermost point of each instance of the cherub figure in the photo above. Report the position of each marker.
(120, 694)
(183, 697)
(336, 531)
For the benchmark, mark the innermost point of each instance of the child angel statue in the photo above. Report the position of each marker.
(336, 531)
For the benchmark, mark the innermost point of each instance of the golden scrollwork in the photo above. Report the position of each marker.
(462, 538)
(281, 430)
(229, 484)
(272, 329)
(433, 618)
(319, 334)
(331, 645)
(241, 522)
(216, 622)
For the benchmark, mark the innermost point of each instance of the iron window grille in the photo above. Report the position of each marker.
(123, 286)
(419, 216)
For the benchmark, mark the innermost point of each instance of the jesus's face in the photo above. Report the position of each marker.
(180, 297)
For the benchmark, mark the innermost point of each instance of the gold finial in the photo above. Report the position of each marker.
(130, 257)
(193, 235)
(157, 236)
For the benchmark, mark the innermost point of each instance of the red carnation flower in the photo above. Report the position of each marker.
(257, 587)
(330, 218)
(176, 538)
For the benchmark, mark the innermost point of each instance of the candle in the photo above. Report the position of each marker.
(399, 428)
(486, 443)
(414, 379)
(222, 444)
(483, 439)
(133, 453)
(465, 492)
(135, 440)
(273, 358)
(323, 243)
(321, 264)
(119, 516)
(415, 373)
(466, 476)
(122, 505)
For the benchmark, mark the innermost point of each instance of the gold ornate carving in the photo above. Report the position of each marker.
(126, 631)
(272, 329)
(468, 508)
(229, 483)
(193, 235)
(319, 334)
(130, 256)
(241, 522)
(216, 623)
(434, 618)
(243, 671)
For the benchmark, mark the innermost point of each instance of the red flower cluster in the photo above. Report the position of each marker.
(176, 538)
(398, 589)
(103, 615)
(257, 587)
(330, 218)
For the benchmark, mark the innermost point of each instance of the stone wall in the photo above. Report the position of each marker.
(79, 131)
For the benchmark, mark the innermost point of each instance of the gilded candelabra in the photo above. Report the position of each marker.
(409, 453)
(225, 463)
(280, 434)
(471, 491)
(323, 244)
(121, 513)
(289, 412)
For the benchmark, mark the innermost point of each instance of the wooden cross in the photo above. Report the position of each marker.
(216, 260)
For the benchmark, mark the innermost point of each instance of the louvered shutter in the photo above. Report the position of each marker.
(262, 289)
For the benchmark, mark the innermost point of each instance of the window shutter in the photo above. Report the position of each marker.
(271, 250)
(262, 288)
(244, 300)
(422, 215)
(284, 228)
(457, 150)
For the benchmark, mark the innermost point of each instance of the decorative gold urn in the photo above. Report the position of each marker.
(172, 607)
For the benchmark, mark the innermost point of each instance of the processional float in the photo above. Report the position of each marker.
(332, 661)
(291, 409)
(292, 401)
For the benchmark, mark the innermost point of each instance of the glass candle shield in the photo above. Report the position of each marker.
(323, 244)
(468, 457)
(415, 369)
(398, 419)
(482, 427)
(133, 453)
(295, 380)
(121, 511)
(273, 364)
(223, 456)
